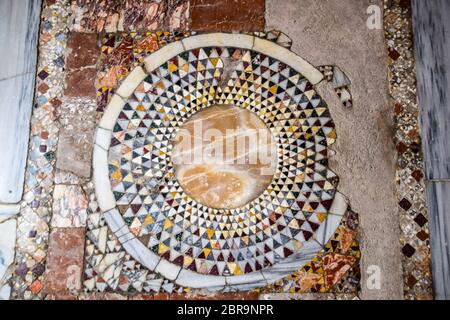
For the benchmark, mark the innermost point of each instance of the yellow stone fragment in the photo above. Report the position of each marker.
(163, 248)
(167, 224)
(148, 220)
(116, 175)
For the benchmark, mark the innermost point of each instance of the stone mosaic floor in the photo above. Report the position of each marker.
(410, 178)
(103, 214)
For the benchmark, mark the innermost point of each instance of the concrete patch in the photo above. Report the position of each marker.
(335, 33)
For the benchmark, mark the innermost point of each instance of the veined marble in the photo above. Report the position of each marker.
(224, 156)
(7, 242)
(18, 34)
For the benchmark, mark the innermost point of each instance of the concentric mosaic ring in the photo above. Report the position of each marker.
(169, 232)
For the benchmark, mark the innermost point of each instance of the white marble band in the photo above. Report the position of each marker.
(237, 41)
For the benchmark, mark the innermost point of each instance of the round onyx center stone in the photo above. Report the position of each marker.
(224, 156)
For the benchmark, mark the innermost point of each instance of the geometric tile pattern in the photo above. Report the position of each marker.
(211, 241)
(411, 195)
(275, 36)
(109, 267)
(340, 82)
(121, 52)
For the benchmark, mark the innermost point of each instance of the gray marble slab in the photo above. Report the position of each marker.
(431, 26)
(439, 208)
(431, 23)
(19, 28)
(8, 211)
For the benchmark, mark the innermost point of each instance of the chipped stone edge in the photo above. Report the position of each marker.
(112, 112)
(246, 282)
(333, 220)
(8, 211)
(169, 270)
(188, 278)
(218, 39)
(103, 138)
(130, 243)
(130, 84)
(293, 263)
(103, 190)
(289, 58)
(339, 205)
(164, 54)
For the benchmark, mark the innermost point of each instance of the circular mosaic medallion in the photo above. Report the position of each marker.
(228, 223)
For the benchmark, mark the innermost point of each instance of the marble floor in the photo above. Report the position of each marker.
(18, 57)
(185, 149)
